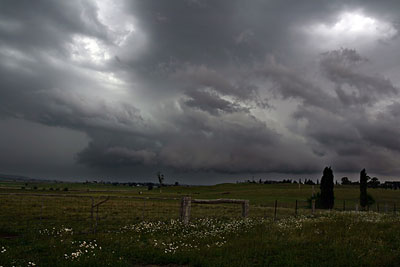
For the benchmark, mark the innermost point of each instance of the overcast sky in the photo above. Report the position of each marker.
(204, 91)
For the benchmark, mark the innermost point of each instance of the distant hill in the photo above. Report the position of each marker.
(10, 177)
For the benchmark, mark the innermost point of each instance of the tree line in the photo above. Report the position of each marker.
(326, 198)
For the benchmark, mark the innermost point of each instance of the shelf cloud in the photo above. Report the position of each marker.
(205, 91)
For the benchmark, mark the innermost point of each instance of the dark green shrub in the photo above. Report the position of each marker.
(327, 195)
(365, 198)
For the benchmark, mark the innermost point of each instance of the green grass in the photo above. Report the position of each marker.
(50, 231)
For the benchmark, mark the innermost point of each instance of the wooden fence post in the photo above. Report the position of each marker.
(394, 208)
(143, 209)
(344, 205)
(186, 203)
(91, 214)
(377, 207)
(295, 209)
(245, 209)
(41, 211)
(313, 206)
(94, 227)
(356, 207)
(276, 205)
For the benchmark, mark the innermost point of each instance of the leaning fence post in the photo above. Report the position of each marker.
(91, 214)
(313, 206)
(41, 211)
(245, 209)
(143, 207)
(185, 209)
(94, 228)
(276, 205)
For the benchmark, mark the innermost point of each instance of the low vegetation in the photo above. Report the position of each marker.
(57, 231)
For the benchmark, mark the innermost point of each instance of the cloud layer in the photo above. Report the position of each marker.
(202, 88)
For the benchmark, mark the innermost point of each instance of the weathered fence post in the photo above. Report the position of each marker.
(94, 227)
(295, 209)
(394, 208)
(245, 209)
(143, 208)
(313, 206)
(91, 214)
(185, 209)
(356, 207)
(41, 211)
(344, 205)
(276, 205)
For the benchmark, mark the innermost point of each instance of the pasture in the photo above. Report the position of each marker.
(44, 224)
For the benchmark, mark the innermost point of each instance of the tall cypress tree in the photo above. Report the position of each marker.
(363, 189)
(327, 196)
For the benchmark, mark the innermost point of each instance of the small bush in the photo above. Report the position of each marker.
(370, 200)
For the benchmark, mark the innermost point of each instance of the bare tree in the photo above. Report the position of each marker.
(160, 177)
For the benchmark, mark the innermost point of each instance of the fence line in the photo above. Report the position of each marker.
(86, 196)
(91, 214)
(186, 204)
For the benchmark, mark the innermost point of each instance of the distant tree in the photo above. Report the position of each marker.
(176, 183)
(363, 188)
(309, 182)
(374, 183)
(327, 195)
(345, 181)
(365, 199)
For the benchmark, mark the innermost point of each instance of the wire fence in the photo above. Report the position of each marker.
(90, 214)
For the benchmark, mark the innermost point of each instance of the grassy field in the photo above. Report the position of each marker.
(137, 227)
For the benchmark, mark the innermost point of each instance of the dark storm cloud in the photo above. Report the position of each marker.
(210, 102)
(339, 67)
(349, 130)
(203, 86)
(46, 24)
